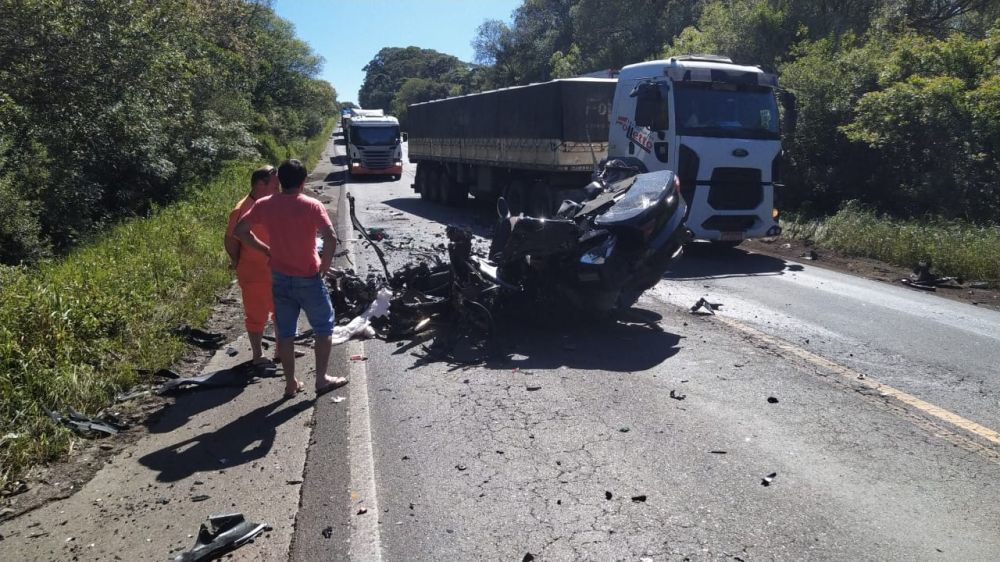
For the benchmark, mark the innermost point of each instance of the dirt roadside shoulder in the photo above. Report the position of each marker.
(142, 495)
(796, 251)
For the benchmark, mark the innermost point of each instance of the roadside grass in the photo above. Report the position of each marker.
(955, 248)
(73, 331)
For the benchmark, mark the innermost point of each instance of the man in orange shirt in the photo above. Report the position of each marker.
(252, 270)
(292, 220)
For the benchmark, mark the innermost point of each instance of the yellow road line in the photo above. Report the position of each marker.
(884, 390)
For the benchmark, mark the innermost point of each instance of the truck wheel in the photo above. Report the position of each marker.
(460, 193)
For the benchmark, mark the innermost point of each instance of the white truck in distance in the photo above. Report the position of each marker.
(374, 144)
(713, 122)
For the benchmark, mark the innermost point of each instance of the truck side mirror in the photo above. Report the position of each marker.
(646, 91)
(789, 114)
(405, 137)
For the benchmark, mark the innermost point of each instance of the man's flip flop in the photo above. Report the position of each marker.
(298, 389)
(334, 385)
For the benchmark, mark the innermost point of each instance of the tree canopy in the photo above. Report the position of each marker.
(110, 107)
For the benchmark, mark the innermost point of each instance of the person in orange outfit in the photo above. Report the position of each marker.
(253, 272)
(294, 220)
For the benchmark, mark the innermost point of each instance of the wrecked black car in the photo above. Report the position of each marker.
(597, 254)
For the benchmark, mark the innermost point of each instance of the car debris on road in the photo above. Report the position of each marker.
(198, 337)
(591, 255)
(221, 534)
(106, 424)
(704, 305)
(923, 279)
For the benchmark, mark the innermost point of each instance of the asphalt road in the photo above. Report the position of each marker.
(876, 407)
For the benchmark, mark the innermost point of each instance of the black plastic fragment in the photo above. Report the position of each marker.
(238, 375)
(772, 400)
(220, 534)
(639, 499)
(328, 532)
(675, 396)
(704, 305)
(922, 278)
(85, 424)
(766, 481)
(200, 338)
(608, 495)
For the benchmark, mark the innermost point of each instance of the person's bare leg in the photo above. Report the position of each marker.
(323, 345)
(255, 347)
(286, 349)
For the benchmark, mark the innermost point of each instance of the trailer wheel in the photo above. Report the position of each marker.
(516, 195)
(434, 179)
(420, 181)
(539, 202)
(452, 192)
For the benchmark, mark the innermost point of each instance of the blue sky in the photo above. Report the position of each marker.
(348, 34)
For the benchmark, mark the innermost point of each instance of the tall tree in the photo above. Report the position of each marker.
(392, 66)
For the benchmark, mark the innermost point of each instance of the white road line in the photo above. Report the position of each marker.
(366, 540)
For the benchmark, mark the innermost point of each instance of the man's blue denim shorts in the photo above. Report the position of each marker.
(295, 294)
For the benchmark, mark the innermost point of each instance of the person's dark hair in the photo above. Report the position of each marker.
(261, 174)
(291, 174)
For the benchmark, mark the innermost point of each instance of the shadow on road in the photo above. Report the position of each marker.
(632, 343)
(243, 440)
(189, 404)
(335, 178)
(627, 345)
(701, 263)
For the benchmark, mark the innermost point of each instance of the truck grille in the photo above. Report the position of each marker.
(735, 188)
(376, 159)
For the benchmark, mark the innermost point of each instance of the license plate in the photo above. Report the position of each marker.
(731, 236)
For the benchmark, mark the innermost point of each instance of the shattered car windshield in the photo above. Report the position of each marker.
(371, 136)
(726, 110)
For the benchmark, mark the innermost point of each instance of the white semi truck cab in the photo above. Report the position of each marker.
(713, 122)
(374, 145)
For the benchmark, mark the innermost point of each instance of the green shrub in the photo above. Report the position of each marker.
(955, 248)
(73, 331)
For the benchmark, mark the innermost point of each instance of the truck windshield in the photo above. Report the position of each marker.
(726, 110)
(374, 136)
